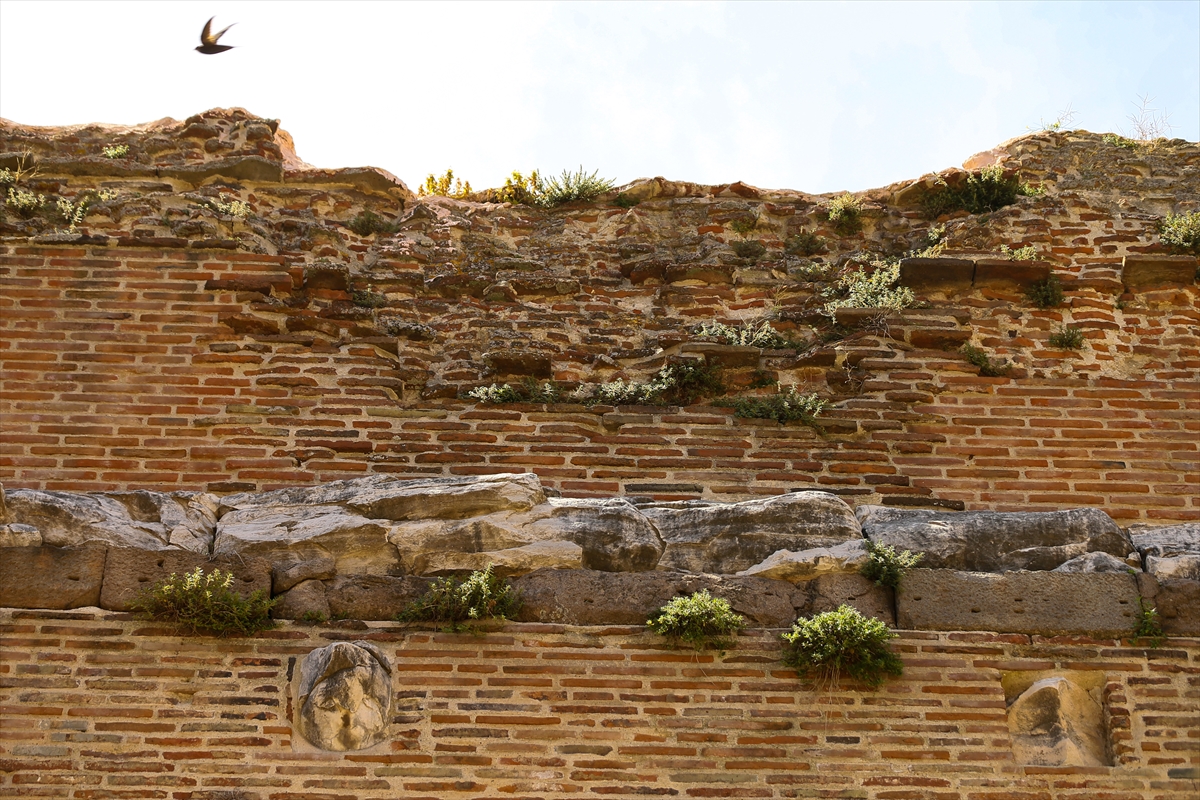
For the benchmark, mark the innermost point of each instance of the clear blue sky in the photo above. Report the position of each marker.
(812, 96)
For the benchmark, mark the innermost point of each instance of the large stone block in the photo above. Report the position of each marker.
(374, 597)
(591, 597)
(1056, 722)
(51, 577)
(390, 498)
(992, 541)
(724, 538)
(141, 519)
(937, 274)
(1142, 272)
(1178, 603)
(1169, 551)
(1018, 602)
(610, 535)
(129, 572)
(296, 533)
(305, 599)
(804, 565)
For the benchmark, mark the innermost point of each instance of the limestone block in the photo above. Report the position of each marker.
(1018, 602)
(827, 592)
(1178, 603)
(141, 519)
(18, 535)
(937, 274)
(296, 533)
(288, 573)
(1142, 272)
(1002, 273)
(991, 541)
(592, 597)
(128, 572)
(1057, 723)
(1169, 551)
(374, 597)
(509, 562)
(725, 538)
(51, 577)
(804, 565)
(304, 598)
(387, 497)
(344, 696)
(611, 535)
(1095, 562)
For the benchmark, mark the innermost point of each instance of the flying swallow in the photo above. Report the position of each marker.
(208, 40)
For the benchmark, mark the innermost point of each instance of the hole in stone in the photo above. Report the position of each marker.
(72, 577)
(143, 579)
(161, 561)
(974, 610)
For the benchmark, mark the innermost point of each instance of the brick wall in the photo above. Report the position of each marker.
(135, 367)
(101, 705)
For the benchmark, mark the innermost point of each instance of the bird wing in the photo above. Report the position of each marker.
(222, 33)
(206, 36)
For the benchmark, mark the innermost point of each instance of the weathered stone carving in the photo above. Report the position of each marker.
(344, 698)
(1056, 722)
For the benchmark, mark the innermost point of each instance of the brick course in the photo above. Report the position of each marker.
(96, 704)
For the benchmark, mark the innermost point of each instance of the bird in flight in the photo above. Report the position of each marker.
(208, 40)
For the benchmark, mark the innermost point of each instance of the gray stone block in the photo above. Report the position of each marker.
(51, 577)
(128, 572)
(375, 597)
(1018, 602)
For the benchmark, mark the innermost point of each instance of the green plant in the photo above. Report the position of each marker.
(842, 641)
(313, 617)
(1181, 232)
(887, 567)
(442, 186)
(625, 200)
(1067, 338)
(365, 298)
(367, 222)
(804, 244)
(1117, 140)
(1065, 117)
(743, 225)
(784, 406)
(572, 186)
(748, 335)
(845, 212)
(1026, 253)
(528, 391)
(680, 383)
(451, 601)
(987, 367)
(981, 192)
(875, 289)
(24, 202)
(751, 250)
(1047, 293)
(701, 620)
(71, 213)
(116, 150)
(205, 603)
(520, 189)
(1148, 624)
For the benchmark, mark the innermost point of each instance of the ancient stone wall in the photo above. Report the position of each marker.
(99, 705)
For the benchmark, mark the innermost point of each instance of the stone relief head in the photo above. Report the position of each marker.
(344, 696)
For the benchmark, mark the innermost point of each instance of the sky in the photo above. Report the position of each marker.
(814, 96)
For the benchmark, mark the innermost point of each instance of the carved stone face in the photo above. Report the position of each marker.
(345, 696)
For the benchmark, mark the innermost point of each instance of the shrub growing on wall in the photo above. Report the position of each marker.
(450, 602)
(838, 643)
(205, 603)
(700, 619)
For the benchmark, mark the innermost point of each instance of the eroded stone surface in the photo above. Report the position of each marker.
(1018, 602)
(804, 565)
(1178, 603)
(51, 577)
(141, 519)
(1170, 551)
(344, 696)
(304, 600)
(288, 573)
(726, 538)
(295, 533)
(128, 572)
(1095, 562)
(1056, 722)
(991, 541)
(372, 596)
